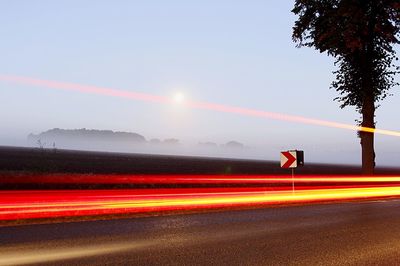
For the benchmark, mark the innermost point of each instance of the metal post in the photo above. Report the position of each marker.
(292, 180)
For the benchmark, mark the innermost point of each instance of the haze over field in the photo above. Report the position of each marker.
(108, 140)
(226, 52)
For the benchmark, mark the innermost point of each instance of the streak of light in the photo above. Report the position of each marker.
(47, 204)
(192, 104)
(86, 89)
(58, 254)
(186, 179)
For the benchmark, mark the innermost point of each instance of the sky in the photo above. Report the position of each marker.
(236, 53)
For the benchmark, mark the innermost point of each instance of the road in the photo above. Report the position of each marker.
(358, 233)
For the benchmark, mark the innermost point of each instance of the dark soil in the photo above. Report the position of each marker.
(68, 161)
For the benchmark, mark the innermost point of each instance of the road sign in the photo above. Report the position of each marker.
(292, 159)
(288, 159)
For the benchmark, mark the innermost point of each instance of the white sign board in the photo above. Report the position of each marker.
(289, 159)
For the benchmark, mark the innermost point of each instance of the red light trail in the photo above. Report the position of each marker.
(67, 203)
(198, 105)
(29, 204)
(188, 179)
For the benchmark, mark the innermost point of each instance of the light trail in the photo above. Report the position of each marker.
(49, 204)
(193, 104)
(85, 89)
(188, 179)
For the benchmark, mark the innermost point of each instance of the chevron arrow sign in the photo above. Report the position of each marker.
(289, 159)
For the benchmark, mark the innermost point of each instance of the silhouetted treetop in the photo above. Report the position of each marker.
(360, 35)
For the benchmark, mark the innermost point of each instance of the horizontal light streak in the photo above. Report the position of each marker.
(47, 204)
(193, 104)
(86, 89)
(186, 179)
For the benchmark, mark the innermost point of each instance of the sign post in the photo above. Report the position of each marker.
(293, 180)
(292, 159)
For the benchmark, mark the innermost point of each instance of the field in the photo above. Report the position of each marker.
(18, 165)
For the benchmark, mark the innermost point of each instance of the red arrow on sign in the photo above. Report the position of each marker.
(290, 159)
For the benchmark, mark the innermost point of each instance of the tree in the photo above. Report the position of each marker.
(360, 35)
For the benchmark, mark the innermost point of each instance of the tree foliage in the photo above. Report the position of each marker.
(360, 34)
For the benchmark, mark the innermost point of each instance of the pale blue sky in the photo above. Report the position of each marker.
(230, 52)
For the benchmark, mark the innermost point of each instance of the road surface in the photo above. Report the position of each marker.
(363, 233)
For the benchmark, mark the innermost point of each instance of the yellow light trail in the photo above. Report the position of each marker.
(193, 104)
(269, 197)
(188, 201)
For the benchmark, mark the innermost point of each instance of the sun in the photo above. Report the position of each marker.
(179, 97)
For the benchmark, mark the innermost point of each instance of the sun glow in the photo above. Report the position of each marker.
(179, 97)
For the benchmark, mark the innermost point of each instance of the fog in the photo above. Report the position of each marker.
(231, 148)
(235, 53)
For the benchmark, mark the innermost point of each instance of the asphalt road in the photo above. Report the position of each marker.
(365, 233)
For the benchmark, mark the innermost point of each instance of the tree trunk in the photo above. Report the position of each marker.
(367, 138)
